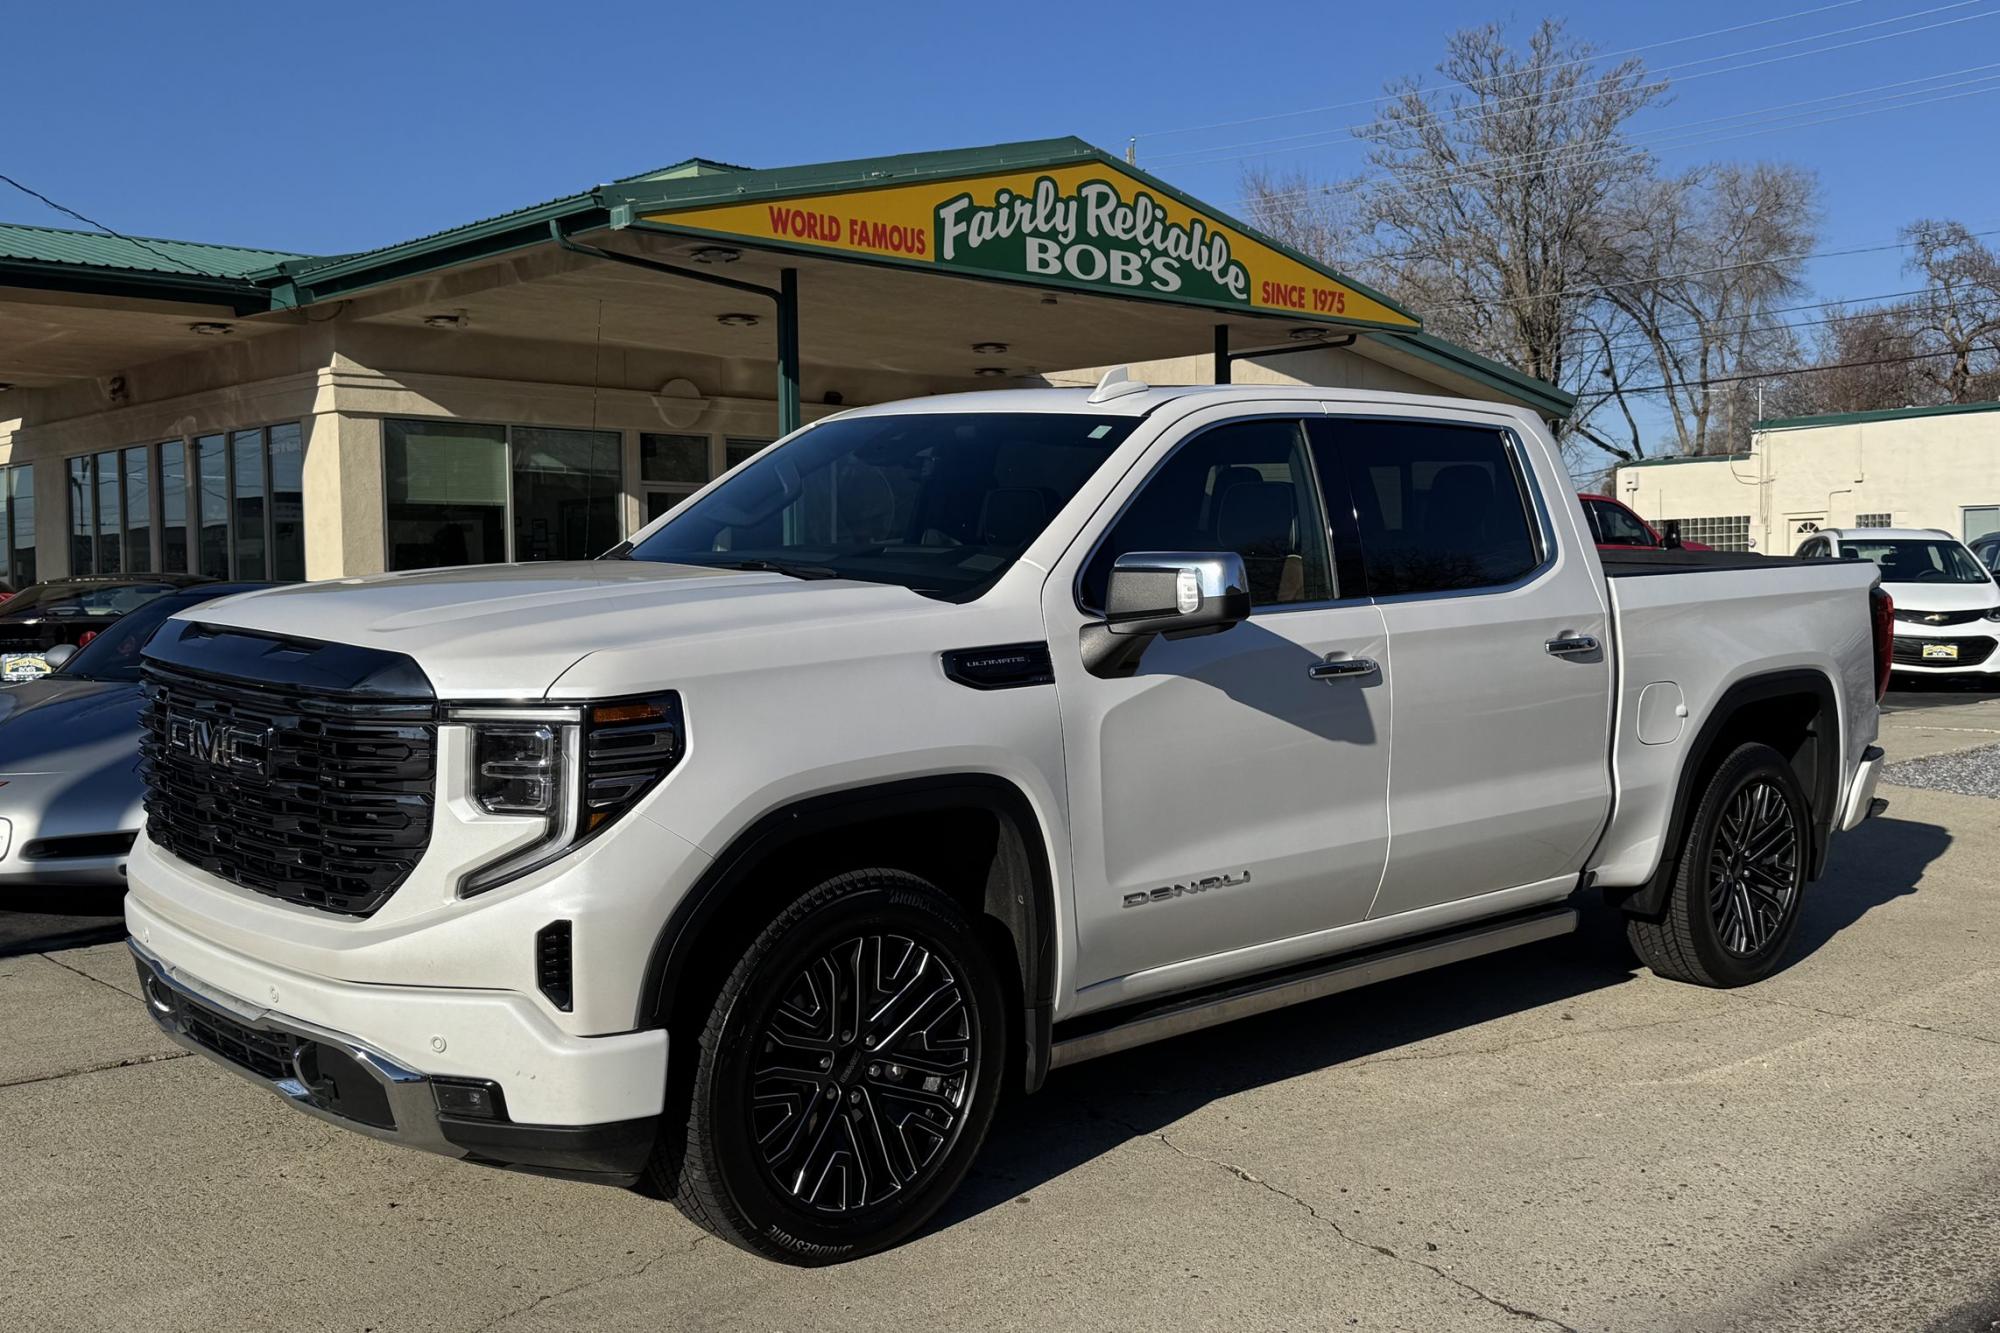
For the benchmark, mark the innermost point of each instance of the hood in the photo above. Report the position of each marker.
(1943, 596)
(54, 725)
(508, 631)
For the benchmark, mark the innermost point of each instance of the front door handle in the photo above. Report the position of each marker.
(1341, 668)
(1569, 645)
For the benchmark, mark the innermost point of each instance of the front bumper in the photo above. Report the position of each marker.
(609, 1093)
(1974, 647)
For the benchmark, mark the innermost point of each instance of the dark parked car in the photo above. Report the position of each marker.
(71, 611)
(69, 754)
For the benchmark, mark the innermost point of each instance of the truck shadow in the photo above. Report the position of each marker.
(59, 916)
(1092, 1108)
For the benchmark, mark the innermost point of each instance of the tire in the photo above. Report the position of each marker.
(1739, 879)
(761, 1163)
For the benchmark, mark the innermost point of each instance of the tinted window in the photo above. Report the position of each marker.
(1439, 508)
(1917, 560)
(940, 502)
(1616, 527)
(64, 600)
(1244, 487)
(114, 654)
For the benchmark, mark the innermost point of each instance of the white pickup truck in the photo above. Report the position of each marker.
(945, 743)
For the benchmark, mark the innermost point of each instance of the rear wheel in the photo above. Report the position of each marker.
(846, 1076)
(1734, 906)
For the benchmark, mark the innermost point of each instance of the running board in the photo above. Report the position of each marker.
(1177, 1014)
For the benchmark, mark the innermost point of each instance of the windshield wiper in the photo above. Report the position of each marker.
(776, 567)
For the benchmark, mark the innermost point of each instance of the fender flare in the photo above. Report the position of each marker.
(1020, 894)
(1823, 790)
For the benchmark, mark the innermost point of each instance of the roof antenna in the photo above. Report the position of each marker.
(1117, 382)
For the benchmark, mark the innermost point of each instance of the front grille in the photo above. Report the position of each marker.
(265, 1054)
(1972, 650)
(309, 797)
(1910, 617)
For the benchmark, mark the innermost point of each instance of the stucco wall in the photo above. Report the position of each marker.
(1922, 471)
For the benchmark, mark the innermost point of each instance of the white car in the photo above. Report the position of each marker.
(948, 742)
(1947, 602)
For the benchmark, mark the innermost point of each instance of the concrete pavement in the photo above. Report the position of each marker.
(1547, 1137)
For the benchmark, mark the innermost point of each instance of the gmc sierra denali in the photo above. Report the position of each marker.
(946, 743)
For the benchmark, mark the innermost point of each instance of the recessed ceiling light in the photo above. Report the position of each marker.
(210, 330)
(737, 320)
(717, 254)
(1306, 334)
(446, 321)
(990, 372)
(990, 349)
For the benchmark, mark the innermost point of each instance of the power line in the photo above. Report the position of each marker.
(1607, 55)
(1606, 150)
(1711, 381)
(1774, 111)
(91, 222)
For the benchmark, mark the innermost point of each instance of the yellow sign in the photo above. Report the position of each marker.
(1083, 225)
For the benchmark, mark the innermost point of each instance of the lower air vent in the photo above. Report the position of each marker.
(552, 964)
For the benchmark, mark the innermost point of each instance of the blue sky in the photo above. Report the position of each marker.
(328, 130)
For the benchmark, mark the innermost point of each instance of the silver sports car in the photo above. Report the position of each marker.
(69, 754)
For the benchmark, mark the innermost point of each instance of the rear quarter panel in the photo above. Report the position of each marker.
(1703, 631)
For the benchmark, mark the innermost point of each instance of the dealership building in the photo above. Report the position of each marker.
(1916, 467)
(540, 384)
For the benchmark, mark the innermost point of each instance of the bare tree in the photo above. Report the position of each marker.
(1491, 198)
(1956, 318)
(1865, 361)
(1318, 219)
(1698, 266)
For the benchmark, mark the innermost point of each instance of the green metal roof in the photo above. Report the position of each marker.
(1885, 414)
(138, 254)
(1450, 356)
(1684, 458)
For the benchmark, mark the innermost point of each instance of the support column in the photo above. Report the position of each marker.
(1222, 354)
(788, 351)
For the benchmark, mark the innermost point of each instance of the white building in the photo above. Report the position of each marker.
(1916, 467)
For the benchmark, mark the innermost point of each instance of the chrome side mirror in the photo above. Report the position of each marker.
(1174, 593)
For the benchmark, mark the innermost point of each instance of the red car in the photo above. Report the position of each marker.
(1619, 529)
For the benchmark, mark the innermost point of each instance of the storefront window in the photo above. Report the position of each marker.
(212, 492)
(138, 510)
(17, 525)
(82, 515)
(108, 514)
(246, 466)
(447, 493)
(173, 507)
(288, 508)
(463, 494)
(566, 489)
(737, 448)
(671, 468)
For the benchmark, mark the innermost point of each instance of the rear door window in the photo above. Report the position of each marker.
(1437, 507)
(1615, 526)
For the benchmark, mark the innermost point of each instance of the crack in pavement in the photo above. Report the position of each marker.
(86, 976)
(1869, 1018)
(510, 1315)
(157, 1058)
(1248, 1177)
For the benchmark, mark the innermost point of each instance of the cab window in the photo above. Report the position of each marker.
(1246, 487)
(1439, 508)
(1615, 525)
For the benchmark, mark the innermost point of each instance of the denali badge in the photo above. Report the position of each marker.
(1202, 885)
(212, 741)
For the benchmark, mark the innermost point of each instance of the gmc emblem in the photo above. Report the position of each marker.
(214, 742)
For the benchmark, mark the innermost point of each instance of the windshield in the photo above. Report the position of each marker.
(63, 600)
(1917, 560)
(114, 654)
(939, 502)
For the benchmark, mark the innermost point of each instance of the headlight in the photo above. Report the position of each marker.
(576, 769)
(1994, 614)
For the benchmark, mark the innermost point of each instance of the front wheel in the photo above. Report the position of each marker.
(846, 1077)
(1737, 888)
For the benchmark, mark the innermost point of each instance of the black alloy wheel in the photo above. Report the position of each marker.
(846, 1075)
(1739, 878)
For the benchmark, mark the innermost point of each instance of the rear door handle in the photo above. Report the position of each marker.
(1569, 645)
(1340, 668)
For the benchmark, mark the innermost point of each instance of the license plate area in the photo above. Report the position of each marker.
(1940, 652)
